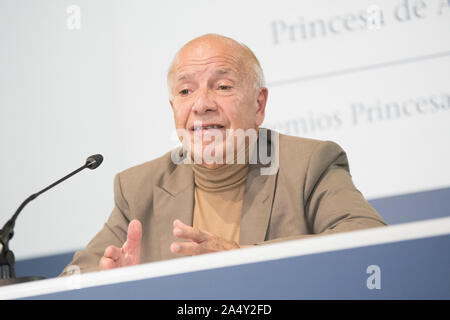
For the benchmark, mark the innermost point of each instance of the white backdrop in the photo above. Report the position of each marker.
(84, 77)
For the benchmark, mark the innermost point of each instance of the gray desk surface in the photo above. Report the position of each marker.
(408, 261)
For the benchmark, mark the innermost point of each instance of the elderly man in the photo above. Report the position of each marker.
(200, 198)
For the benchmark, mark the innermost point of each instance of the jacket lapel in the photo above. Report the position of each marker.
(257, 206)
(260, 190)
(173, 199)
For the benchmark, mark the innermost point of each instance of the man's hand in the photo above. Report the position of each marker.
(200, 242)
(129, 254)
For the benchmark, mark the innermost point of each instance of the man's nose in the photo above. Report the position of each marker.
(204, 102)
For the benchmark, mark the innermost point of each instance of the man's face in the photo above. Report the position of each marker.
(213, 90)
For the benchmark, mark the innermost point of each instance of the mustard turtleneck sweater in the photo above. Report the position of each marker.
(219, 196)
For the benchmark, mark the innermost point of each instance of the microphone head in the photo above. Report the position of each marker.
(93, 162)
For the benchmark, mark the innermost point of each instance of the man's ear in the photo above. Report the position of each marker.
(261, 102)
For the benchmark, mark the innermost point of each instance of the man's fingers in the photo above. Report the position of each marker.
(188, 248)
(130, 252)
(183, 231)
(131, 249)
(134, 236)
(106, 264)
(113, 253)
(134, 231)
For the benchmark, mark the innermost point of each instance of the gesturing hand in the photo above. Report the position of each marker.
(199, 241)
(129, 254)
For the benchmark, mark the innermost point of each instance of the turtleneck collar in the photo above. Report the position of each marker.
(224, 178)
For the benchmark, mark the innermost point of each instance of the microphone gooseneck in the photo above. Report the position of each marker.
(7, 232)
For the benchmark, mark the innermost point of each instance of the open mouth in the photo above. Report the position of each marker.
(207, 127)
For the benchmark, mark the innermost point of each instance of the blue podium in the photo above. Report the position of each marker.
(405, 261)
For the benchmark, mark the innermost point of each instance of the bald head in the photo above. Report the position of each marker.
(210, 44)
(216, 87)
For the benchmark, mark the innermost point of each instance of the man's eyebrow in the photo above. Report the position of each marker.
(224, 71)
(184, 76)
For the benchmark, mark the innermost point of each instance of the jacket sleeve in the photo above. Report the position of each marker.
(114, 232)
(332, 202)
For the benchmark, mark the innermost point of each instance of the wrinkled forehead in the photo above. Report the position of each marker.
(190, 71)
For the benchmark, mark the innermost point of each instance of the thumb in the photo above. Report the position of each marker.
(133, 244)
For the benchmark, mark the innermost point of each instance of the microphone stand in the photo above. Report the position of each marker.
(7, 260)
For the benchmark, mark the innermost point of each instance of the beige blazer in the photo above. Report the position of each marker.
(312, 193)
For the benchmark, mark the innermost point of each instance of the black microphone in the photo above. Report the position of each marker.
(93, 162)
(7, 273)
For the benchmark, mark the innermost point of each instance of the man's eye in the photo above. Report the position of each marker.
(184, 92)
(224, 87)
